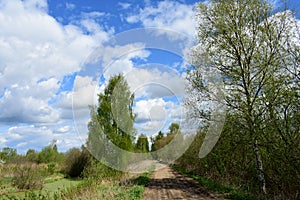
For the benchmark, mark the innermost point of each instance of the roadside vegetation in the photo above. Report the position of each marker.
(79, 176)
(248, 60)
(247, 63)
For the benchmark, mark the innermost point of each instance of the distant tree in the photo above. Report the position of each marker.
(142, 144)
(8, 154)
(31, 155)
(155, 140)
(161, 140)
(55, 148)
(174, 128)
(47, 155)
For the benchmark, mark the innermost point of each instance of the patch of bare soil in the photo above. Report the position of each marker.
(166, 183)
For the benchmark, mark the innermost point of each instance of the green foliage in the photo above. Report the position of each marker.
(231, 161)
(99, 171)
(76, 161)
(142, 179)
(112, 122)
(28, 176)
(117, 95)
(231, 192)
(31, 155)
(174, 128)
(155, 146)
(51, 167)
(252, 48)
(161, 141)
(47, 155)
(142, 144)
(8, 154)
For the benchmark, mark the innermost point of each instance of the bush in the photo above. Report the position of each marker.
(28, 176)
(51, 167)
(98, 170)
(76, 161)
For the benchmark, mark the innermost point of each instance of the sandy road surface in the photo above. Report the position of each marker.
(166, 183)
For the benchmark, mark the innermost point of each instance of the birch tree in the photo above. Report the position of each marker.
(248, 44)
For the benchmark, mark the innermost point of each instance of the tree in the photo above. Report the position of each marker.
(155, 140)
(246, 44)
(31, 155)
(112, 121)
(174, 128)
(8, 154)
(142, 144)
(47, 155)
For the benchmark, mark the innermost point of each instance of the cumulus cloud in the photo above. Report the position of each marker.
(167, 15)
(155, 81)
(154, 115)
(36, 53)
(37, 137)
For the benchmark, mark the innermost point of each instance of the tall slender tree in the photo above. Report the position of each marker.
(142, 144)
(113, 120)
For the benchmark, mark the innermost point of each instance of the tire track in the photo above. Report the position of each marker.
(166, 183)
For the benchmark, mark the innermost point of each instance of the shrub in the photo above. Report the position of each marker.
(98, 170)
(51, 167)
(76, 161)
(28, 176)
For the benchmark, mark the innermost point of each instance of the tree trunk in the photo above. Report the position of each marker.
(259, 168)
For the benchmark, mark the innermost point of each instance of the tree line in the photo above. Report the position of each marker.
(250, 52)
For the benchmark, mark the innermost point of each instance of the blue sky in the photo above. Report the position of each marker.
(56, 55)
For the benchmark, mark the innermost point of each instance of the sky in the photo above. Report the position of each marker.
(57, 55)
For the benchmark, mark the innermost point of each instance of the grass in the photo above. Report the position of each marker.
(228, 191)
(50, 187)
(126, 189)
(60, 184)
(59, 188)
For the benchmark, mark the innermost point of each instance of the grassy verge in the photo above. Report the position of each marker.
(125, 189)
(48, 191)
(228, 191)
(59, 188)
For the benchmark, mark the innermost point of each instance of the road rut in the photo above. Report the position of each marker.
(166, 183)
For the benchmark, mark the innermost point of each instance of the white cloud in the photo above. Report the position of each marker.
(150, 109)
(24, 104)
(154, 115)
(84, 92)
(124, 6)
(155, 81)
(37, 137)
(36, 52)
(167, 15)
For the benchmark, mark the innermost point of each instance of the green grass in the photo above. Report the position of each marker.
(48, 190)
(128, 189)
(142, 180)
(59, 188)
(60, 184)
(228, 191)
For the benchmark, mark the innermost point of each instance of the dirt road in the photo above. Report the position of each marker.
(169, 184)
